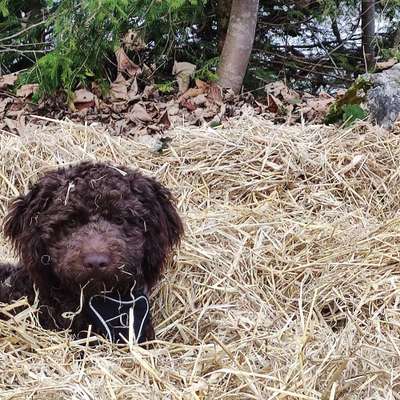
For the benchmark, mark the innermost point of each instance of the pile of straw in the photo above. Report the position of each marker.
(287, 284)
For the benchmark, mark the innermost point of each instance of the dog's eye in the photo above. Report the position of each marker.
(119, 220)
(72, 223)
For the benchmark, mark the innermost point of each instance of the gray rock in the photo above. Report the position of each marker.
(383, 99)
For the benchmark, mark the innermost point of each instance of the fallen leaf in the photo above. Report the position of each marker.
(119, 107)
(8, 80)
(27, 90)
(85, 106)
(133, 91)
(11, 124)
(16, 105)
(202, 85)
(149, 91)
(188, 105)
(274, 105)
(183, 71)
(119, 89)
(164, 120)
(138, 112)
(279, 89)
(199, 100)
(83, 96)
(125, 64)
(4, 103)
(215, 94)
(261, 107)
(199, 113)
(82, 100)
(172, 108)
(229, 95)
(192, 92)
(315, 108)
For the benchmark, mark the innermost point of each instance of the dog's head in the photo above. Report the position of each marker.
(94, 224)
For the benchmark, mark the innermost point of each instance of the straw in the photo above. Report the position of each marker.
(287, 283)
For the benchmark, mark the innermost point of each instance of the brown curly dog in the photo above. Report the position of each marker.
(89, 230)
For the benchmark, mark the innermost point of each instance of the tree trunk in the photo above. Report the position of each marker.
(238, 44)
(368, 31)
(223, 11)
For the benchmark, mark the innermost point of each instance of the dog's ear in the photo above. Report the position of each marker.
(23, 211)
(162, 224)
(20, 217)
(21, 225)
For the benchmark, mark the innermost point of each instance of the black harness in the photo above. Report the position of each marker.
(121, 319)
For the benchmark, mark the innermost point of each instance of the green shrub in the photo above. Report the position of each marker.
(85, 34)
(352, 112)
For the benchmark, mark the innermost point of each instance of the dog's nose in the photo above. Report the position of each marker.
(96, 260)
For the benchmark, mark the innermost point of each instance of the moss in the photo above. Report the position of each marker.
(355, 95)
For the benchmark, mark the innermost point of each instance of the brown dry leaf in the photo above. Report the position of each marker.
(164, 120)
(217, 118)
(133, 41)
(83, 100)
(189, 105)
(215, 94)
(4, 103)
(192, 92)
(212, 110)
(379, 66)
(84, 106)
(119, 89)
(120, 127)
(261, 107)
(149, 91)
(11, 124)
(202, 85)
(138, 112)
(83, 96)
(315, 108)
(27, 90)
(274, 105)
(279, 88)
(172, 108)
(118, 107)
(200, 100)
(199, 114)
(125, 64)
(17, 105)
(133, 91)
(8, 80)
(183, 72)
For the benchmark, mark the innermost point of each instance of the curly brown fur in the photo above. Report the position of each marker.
(86, 229)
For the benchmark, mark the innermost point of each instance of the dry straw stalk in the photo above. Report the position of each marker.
(287, 283)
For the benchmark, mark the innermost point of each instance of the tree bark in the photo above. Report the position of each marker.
(368, 31)
(238, 44)
(223, 11)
